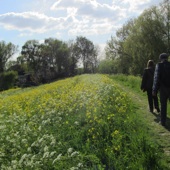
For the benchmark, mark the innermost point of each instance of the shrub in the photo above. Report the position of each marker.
(7, 80)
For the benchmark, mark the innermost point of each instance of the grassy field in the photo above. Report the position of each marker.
(82, 123)
(160, 135)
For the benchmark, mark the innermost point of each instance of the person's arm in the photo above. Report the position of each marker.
(156, 80)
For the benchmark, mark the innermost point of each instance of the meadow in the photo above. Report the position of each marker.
(81, 123)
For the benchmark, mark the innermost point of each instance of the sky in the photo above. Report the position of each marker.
(97, 20)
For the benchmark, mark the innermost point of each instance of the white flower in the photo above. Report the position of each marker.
(39, 128)
(73, 168)
(2, 126)
(46, 148)
(80, 165)
(29, 149)
(53, 141)
(24, 140)
(76, 123)
(14, 162)
(74, 154)
(58, 158)
(52, 153)
(70, 150)
(46, 154)
(22, 158)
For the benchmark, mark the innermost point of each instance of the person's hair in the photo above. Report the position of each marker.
(150, 63)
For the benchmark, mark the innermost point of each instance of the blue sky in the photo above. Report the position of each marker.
(97, 20)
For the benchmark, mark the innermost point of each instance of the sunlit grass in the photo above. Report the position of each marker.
(85, 122)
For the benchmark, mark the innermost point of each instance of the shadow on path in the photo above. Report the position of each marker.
(157, 120)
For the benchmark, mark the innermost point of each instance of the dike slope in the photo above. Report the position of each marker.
(159, 133)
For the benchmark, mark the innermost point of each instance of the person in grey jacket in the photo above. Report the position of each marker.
(162, 84)
(146, 85)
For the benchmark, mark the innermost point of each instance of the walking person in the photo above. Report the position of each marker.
(146, 85)
(162, 84)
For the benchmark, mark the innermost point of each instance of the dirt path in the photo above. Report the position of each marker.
(159, 133)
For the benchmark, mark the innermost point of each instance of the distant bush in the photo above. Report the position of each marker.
(106, 67)
(80, 71)
(128, 80)
(7, 80)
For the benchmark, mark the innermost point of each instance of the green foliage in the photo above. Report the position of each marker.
(129, 80)
(7, 80)
(106, 66)
(86, 52)
(6, 52)
(80, 71)
(55, 59)
(140, 40)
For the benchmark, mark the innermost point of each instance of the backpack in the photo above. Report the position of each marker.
(165, 73)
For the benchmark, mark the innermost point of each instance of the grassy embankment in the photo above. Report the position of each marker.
(161, 135)
(85, 123)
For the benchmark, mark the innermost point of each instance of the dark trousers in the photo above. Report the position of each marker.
(153, 101)
(164, 95)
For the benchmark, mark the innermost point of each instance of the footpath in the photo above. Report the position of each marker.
(159, 133)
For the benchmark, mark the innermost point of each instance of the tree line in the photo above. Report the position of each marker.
(137, 41)
(50, 60)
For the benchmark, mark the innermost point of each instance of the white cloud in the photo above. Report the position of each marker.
(89, 8)
(96, 28)
(25, 34)
(136, 7)
(29, 21)
(63, 4)
(63, 18)
(89, 17)
(40, 23)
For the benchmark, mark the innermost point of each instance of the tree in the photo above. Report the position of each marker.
(165, 10)
(107, 66)
(31, 53)
(73, 61)
(86, 53)
(57, 53)
(115, 48)
(139, 40)
(6, 52)
(146, 40)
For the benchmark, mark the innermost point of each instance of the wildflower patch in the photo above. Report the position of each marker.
(84, 122)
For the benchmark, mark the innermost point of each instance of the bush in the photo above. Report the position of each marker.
(7, 80)
(106, 67)
(131, 81)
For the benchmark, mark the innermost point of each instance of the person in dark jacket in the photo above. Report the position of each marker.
(162, 84)
(146, 85)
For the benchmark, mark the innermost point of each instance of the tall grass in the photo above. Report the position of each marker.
(83, 123)
(129, 80)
